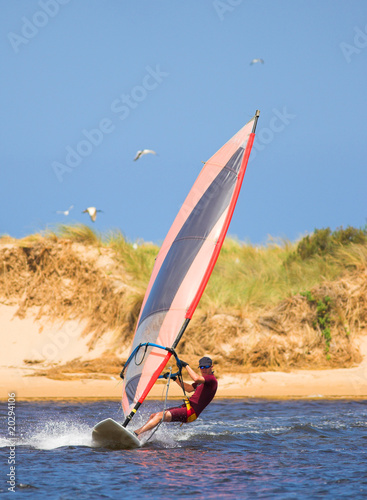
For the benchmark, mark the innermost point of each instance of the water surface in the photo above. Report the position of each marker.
(288, 449)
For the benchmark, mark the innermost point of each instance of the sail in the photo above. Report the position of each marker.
(185, 262)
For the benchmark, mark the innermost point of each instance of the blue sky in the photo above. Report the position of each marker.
(176, 77)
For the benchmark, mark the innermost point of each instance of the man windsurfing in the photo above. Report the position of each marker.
(204, 387)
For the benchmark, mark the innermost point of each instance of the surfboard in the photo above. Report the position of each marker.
(111, 434)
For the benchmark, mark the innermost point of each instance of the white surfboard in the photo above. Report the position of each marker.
(111, 434)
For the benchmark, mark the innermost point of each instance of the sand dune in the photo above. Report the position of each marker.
(28, 344)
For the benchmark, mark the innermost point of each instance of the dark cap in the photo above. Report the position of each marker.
(205, 361)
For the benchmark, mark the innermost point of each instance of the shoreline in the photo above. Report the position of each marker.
(83, 399)
(339, 383)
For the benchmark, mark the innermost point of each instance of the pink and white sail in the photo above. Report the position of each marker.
(185, 262)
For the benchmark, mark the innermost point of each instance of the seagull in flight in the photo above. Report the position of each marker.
(92, 211)
(65, 212)
(144, 152)
(254, 61)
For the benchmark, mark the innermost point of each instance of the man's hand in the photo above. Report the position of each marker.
(166, 375)
(183, 363)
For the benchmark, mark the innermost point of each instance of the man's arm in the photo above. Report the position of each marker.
(199, 379)
(186, 386)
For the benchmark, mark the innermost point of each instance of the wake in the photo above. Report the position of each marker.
(53, 434)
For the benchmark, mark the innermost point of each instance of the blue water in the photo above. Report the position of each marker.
(293, 449)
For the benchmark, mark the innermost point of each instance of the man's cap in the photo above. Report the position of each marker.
(205, 361)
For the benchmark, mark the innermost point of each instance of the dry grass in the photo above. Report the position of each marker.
(64, 284)
(77, 232)
(285, 336)
(102, 368)
(252, 318)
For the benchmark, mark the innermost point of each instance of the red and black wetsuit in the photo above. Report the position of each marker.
(203, 395)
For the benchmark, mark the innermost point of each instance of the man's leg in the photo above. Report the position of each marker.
(154, 420)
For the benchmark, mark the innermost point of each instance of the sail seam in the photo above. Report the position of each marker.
(203, 238)
(231, 169)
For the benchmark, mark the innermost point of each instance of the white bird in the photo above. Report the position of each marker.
(92, 211)
(254, 61)
(65, 212)
(144, 152)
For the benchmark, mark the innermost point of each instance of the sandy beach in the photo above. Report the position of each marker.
(28, 344)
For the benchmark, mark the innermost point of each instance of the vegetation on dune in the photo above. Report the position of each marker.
(76, 277)
(77, 232)
(249, 276)
(279, 306)
(324, 241)
(138, 260)
(101, 368)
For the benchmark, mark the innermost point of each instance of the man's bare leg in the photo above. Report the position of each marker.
(154, 420)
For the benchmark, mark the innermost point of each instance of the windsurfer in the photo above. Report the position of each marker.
(204, 388)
